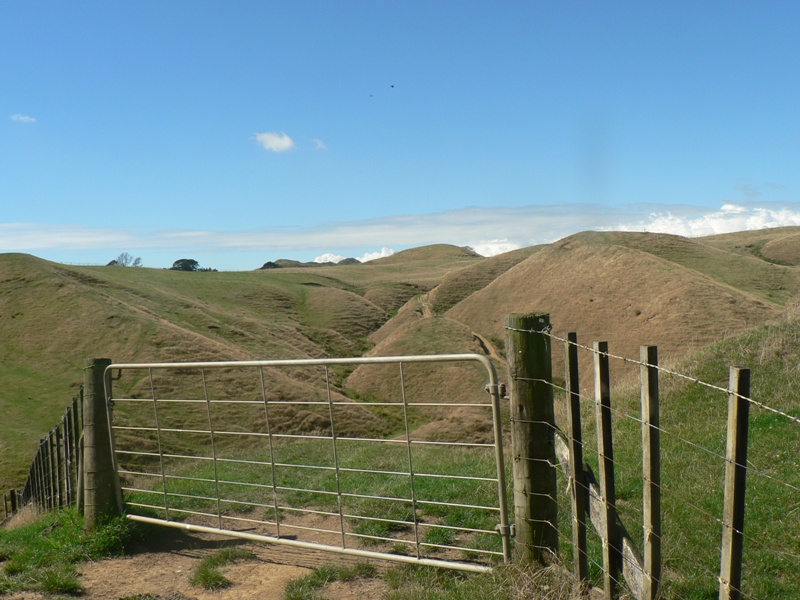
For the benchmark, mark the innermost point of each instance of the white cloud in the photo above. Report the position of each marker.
(366, 257)
(729, 218)
(517, 227)
(320, 145)
(494, 247)
(22, 118)
(382, 253)
(275, 142)
(328, 257)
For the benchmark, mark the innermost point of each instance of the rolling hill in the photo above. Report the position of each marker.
(628, 288)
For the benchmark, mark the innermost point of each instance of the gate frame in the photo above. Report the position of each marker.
(493, 388)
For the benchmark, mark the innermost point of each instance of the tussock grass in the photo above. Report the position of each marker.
(208, 574)
(41, 555)
(508, 582)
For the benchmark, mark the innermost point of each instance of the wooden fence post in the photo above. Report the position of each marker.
(533, 436)
(730, 578)
(51, 471)
(60, 465)
(65, 422)
(77, 426)
(98, 469)
(651, 465)
(612, 544)
(580, 491)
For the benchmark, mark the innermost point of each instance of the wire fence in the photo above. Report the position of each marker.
(686, 480)
(646, 476)
(54, 479)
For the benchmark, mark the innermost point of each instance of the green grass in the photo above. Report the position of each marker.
(507, 582)
(308, 586)
(208, 574)
(693, 419)
(386, 511)
(42, 556)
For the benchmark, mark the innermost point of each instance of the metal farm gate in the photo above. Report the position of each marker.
(274, 451)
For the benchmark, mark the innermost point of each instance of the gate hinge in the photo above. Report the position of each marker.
(509, 530)
(499, 389)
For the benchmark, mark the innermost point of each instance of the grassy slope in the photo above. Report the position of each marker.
(53, 316)
(631, 289)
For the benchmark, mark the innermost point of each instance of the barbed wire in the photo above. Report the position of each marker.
(596, 494)
(700, 382)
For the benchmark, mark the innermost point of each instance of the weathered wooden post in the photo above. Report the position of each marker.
(730, 578)
(99, 476)
(612, 544)
(579, 487)
(651, 463)
(533, 436)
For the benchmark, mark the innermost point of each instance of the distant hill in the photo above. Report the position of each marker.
(627, 288)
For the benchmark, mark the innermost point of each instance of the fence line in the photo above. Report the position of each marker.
(55, 479)
(570, 447)
(54, 475)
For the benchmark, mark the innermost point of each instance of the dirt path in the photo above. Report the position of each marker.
(164, 567)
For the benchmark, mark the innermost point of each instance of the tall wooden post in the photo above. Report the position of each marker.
(612, 544)
(533, 436)
(98, 469)
(730, 578)
(651, 463)
(579, 487)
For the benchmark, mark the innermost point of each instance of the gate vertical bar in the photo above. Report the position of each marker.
(730, 578)
(410, 461)
(213, 447)
(335, 458)
(651, 465)
(271, 452)
(612, 545)
(580, 492)
(160, 447)
(533, 436)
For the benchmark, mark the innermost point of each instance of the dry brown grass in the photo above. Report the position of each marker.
(628, 289)
(621, 295)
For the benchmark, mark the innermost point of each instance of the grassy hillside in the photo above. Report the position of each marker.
(627, 288)
(632, 289)
(53, 316)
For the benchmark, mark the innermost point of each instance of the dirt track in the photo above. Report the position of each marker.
(164, 567)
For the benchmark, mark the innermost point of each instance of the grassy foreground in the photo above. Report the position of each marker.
(41, 556)
(693, 438)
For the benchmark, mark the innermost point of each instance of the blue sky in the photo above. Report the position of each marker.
(240, 132)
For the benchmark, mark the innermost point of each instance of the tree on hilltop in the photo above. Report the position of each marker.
(185, 264)
(125, 260)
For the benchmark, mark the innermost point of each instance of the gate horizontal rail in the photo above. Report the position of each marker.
(184, 461)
